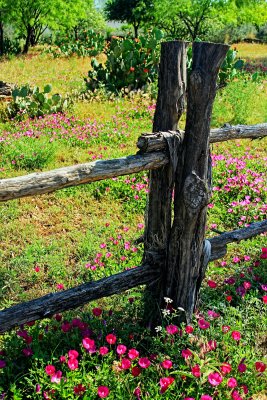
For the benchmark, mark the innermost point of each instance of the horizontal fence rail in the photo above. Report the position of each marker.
(151, 145)
(53, 303)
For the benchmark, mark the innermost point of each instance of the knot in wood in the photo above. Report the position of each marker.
(196, 79)
(195, 193)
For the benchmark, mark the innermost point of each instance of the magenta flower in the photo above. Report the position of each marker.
(165, 383)
(103, 391)
(167, 364)
(125, 363)
(212, 284)
(171, 329)
(203, 324)
(206, 397)
(121, 349)
(111, 339)
(232, 383)
(225, 368)
(73, 354)
(50, 369)
(235, 395)
(260, 366)
(56, 377)
(103, 350)
(215, 378)
(73, 364)
(97, 311)
(136, 371)
(196, 371)
(242, 367)
(144, 362)
(133, 353)
(2, 364)
(79, 389)
(236, 335)
(186, 353)
(189, 329)
(226, 328)
(264, 299)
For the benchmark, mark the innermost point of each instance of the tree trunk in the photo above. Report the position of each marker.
(28, 39)
(1, 38)
(136, 26)
(192, 186)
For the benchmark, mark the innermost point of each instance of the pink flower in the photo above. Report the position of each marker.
(56, 377)
(73, 364)
(50, 369)
(133, 353)
(121, 349)
(196, 371)
(215, 378)
(103, 391)
(111, 339)
(189, 329)
(73, 354)
(226, 328)
(89, 344)
(225, 368)
(144, 362)
(232, 383)
(247, 285)
(97, 311)
(136, 371)
(60, 286)
(167, 364)
(206, 397)
(171, 329)
(125, 363)
(186, 353)
(103, 350)
(263, 253)
(79, 389)
(27, 352)
(235, 395)
(2, 364)
(211, 345)
(260, 366)
(62, 359)
(236, 335)
(203, 324)
(165, 383)
(212, 314)
(264, 299)
(212, 284)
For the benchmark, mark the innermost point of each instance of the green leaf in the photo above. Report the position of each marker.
(47, 88)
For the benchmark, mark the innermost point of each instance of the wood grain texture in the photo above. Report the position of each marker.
(149, 142)
(53, 303)
(192, 184)
(45, 182)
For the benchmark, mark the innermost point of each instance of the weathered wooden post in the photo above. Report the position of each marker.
(185, 250)
(169, 108)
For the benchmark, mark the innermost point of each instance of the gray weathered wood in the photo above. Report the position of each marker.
(169, 108)
(53, 303)
(192, 184)
(219, 243)
(149, 142)
(45, 182)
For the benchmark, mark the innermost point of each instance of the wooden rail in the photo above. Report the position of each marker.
(53, 303)
(154, 155)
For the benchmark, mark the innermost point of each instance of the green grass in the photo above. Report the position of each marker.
(84, 233)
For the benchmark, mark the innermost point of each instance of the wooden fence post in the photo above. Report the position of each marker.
(169, 108)
(187, 246)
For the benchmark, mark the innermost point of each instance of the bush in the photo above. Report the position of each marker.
(11, 46)
(86, 43)
(131, 64)
(34, 103)
(262, 33)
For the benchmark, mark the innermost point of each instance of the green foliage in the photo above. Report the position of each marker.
(84, 43)
(35, 103)
(229, 68)
(131, 64)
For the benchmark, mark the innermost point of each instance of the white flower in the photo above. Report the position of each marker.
(158, 328)
(165, 313)
(168, 300)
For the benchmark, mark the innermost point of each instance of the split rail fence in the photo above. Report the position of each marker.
(176, 252)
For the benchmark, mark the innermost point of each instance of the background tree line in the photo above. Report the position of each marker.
(24, 22)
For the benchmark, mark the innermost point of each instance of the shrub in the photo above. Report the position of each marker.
(85, 43)
(131, 64)
(34, 103)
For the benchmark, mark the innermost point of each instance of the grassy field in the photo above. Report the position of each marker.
(56, 241)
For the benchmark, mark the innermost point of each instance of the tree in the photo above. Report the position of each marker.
(33, 17)
(5, 14)
(134, 12)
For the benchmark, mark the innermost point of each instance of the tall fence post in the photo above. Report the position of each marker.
(169, 108)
